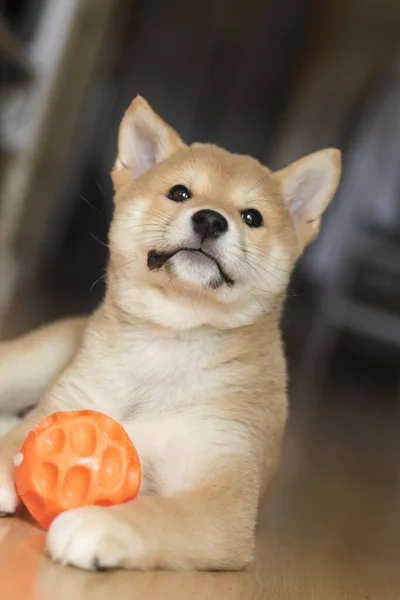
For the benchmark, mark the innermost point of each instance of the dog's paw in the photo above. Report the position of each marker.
(8, 497)
(93, 538)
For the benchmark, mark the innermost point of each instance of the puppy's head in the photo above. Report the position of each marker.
(201, 236)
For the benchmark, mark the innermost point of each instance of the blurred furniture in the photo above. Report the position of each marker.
(349, 41)
(37, 126)
(347, 95)
(356, 262)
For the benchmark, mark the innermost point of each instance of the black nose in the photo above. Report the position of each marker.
(209, 223)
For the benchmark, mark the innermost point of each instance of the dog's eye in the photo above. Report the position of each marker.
(252, 217)
(179, 193)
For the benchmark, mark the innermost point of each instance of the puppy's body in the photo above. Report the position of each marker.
(185, 349)
(195, 394)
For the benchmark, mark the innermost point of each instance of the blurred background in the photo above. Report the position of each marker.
(275, 79)
(270, 78)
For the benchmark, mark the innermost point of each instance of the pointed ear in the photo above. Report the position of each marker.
(144, 140)
(309, 185)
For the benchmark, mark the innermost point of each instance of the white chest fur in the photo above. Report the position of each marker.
(155, 375)
(161, 389)
(176, 451)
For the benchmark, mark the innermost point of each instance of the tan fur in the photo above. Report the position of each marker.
(191, 366)
(39, 357)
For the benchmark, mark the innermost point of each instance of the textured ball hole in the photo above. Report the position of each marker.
(83, 438)
(75, 487)
(51, 442)
(112, 429)
(45, 477)
(111, 469)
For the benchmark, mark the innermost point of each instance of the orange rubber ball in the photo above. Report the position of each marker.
(74, 459)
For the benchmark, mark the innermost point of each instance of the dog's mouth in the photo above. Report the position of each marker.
(157, 260)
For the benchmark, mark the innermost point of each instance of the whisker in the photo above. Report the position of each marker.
(157, 215)
(99, 241)
(101, 190)
(95, 208)
(129, 262)
(257, 269)
(260, 182)
(97, 281)
(257, 254)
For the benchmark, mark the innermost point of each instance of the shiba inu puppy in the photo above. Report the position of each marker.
(185, 349)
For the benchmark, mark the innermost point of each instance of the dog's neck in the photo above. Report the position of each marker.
(175, 312)
(130, 333)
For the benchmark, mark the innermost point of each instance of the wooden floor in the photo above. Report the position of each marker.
(331, 530)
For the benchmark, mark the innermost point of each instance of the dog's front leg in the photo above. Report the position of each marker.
(209, 527)
(11, 443)
(30, 363)
(9, 446)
